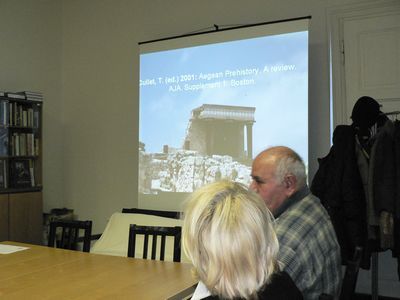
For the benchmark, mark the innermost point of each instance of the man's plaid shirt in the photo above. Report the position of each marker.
(309, 251)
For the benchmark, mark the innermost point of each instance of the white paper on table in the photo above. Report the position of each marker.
(7, 249)
(200, 292)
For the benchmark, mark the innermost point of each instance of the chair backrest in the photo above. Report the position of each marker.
(350, 275)
(155, 231)
(114, 240)
(68, 235)
(160, 213)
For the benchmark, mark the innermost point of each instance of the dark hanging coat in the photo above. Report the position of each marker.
(338, 185)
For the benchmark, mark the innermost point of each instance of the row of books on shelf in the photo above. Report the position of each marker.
(17, 173)
(19, 115)
(24, 95)
(18, 144)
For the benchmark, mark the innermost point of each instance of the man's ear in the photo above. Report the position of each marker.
(290, 182)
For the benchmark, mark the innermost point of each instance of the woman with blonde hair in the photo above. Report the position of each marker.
(228, 235)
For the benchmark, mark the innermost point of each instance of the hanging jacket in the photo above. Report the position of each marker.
(384, 169)
(396, 138)
(338, 185)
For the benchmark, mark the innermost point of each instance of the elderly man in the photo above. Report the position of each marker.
(309, 251)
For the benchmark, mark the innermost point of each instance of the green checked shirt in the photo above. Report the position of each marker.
(309, 251)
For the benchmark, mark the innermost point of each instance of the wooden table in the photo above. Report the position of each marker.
(47, 273)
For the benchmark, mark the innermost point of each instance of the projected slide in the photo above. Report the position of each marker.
(206, 111)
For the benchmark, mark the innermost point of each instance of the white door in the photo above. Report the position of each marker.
(372, 59)
(365, 44)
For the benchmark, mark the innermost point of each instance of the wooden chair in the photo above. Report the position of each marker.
(160, 213)
(350, 275)
(70, 234)
(155, 231)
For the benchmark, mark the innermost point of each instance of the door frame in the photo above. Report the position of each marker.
(337, 16)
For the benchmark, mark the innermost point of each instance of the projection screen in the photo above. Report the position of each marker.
(209, 103)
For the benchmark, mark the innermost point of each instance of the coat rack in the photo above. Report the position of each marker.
(329, 177)
(374, 276)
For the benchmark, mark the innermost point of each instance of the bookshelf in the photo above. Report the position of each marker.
(21, 167)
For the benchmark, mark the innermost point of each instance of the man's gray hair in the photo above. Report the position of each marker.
(291, 163)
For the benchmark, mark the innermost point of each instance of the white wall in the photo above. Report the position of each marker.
(30, 59)
(83, 54)
(99, 60)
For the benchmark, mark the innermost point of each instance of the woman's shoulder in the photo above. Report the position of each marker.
(280, 287)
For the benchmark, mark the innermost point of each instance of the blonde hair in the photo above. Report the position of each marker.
(229, 237)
